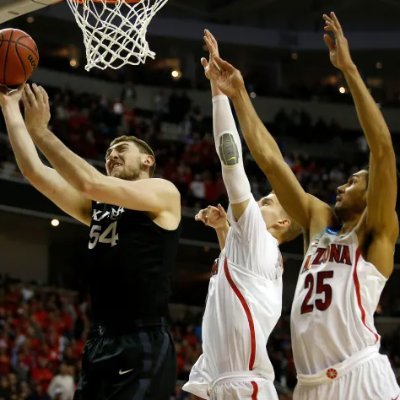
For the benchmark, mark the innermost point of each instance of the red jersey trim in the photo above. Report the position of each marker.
(255, 390)
(358, 294)
(248, 315)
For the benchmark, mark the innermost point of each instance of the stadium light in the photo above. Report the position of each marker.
(55, 222)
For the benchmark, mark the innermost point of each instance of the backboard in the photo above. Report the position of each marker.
(10, 9)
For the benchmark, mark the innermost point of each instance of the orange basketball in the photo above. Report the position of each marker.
(19, 57)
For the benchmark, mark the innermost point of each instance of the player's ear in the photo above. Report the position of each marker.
(149, 160)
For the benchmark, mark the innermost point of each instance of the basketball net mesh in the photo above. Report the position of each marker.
(114, 33)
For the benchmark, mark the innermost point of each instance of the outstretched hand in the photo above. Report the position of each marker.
(215, 217)
(210, 68)
(339, 52)
(228, 79)
(37, 109)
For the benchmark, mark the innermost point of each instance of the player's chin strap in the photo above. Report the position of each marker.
(229, 149)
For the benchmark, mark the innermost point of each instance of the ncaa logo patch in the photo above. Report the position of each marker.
(331, 373)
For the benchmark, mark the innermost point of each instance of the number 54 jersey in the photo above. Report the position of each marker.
(336, 296)
(130, 265)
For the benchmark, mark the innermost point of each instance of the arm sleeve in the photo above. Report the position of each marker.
(229, 149)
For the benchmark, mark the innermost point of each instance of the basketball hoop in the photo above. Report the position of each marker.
(114, 31)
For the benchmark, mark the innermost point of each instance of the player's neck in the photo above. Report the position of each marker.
(349, 224)
(143, 175)
(276, 233)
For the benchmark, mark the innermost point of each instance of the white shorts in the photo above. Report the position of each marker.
(242, 387)
(366, 375)
(237, 386)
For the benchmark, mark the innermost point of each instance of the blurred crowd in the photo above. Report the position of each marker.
(87, 123)
(43, 330)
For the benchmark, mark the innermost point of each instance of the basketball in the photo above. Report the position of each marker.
(19, 57)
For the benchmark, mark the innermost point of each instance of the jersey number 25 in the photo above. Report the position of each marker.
(322, 288)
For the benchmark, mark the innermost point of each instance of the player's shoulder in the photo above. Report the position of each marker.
(163, 182)
(317, 205)
(164, 185)
(321, 211)
(389, 233)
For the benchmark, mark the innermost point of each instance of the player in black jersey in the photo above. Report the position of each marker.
(134, 224)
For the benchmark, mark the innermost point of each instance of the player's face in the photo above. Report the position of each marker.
(124, 161)
(271, 210)
(351, 197)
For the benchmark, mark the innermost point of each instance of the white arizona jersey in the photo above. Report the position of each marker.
(243, 305)
(336, 296)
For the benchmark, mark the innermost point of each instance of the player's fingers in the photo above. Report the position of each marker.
(30, 95)
(326, 17)
(209, 209)
(212, 210)
(210, 46)
(329, 42)
(204, 62)
(206, 42)
(201, 216)
(45, 96)
(36, 91)
(212, 38)
(42, 95)
(23, 96)
(24, 99)
(336, 22)
(330, 27)
(221, 209)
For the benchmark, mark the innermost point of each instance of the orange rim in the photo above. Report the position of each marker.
(105, 1)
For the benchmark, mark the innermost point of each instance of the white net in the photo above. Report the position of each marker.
(114, 31)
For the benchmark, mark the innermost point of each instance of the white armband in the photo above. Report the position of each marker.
(229, 149)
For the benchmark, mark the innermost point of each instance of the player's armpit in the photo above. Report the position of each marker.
(378, 249)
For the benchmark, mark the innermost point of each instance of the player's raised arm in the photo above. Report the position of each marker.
(300, 205)
(46, 180)
(381, 219)
(227, 142)
(153, 195)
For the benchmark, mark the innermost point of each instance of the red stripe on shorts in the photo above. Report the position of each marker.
(248, 315)
(358, 294)
(255, 390)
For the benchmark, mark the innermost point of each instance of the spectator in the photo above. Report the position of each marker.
(62, 384)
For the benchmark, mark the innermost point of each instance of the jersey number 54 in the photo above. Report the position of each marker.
(108, 236)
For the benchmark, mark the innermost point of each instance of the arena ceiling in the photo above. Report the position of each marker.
(290, 14)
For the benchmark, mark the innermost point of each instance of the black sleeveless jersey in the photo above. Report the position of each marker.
(131, 261)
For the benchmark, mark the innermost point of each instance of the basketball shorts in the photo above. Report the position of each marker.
(244, 385)
(135, 366)
(366, 375)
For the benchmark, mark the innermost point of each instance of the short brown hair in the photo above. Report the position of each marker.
(143, 147)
